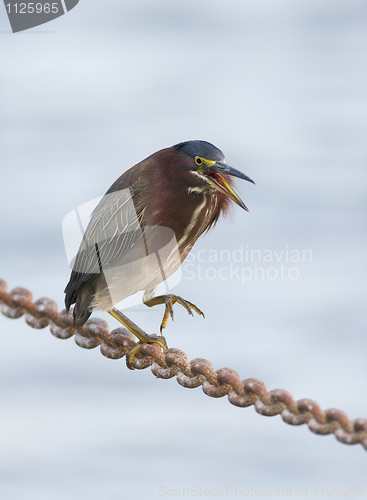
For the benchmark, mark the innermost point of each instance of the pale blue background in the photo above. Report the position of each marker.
(281, 87)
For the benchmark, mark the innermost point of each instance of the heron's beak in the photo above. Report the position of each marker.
(214, 177)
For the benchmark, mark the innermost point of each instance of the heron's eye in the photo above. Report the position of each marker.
(198, 160)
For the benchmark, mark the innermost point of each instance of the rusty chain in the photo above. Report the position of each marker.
(173, 363)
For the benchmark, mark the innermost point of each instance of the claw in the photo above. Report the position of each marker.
(169, 300)
(143, 337)
(154, 340)
(167, 312)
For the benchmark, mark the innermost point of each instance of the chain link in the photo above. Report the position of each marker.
(117, 343)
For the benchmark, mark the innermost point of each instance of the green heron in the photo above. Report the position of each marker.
(145, 226)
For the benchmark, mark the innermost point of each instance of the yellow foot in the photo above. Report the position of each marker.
(154, 339)
(169, 300)
(143, 337)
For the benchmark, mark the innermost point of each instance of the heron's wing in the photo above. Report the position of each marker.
(114, 229)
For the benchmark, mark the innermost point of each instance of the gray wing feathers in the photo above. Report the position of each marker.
(113, 229)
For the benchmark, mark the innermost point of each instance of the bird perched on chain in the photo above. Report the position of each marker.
(145, 226)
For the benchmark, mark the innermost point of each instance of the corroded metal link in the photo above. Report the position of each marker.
(40, 321)
(215, 391)
(295, 418)
(268, 410)
(117, 344)
(204, 367)
(179, 358)
(238, 395)
(274, 402)
(169, 372)
(60, 332)
(190, 382)
(85, 342)
(173, 363)
(162, 368)
(14, 307)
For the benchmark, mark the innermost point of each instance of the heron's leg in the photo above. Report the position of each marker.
(169, 300)
(143, 337)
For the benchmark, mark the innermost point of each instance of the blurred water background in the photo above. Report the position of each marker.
(281, 87)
